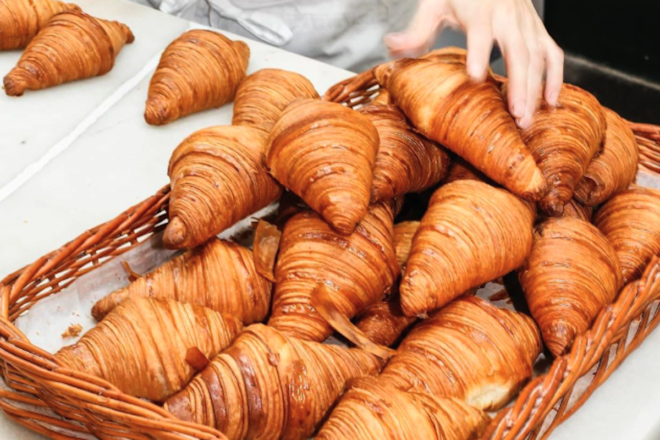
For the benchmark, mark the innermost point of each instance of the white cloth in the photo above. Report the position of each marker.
(344, 33)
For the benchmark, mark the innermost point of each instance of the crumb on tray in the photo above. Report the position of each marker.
(73, 331)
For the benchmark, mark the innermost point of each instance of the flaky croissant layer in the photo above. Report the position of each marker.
(218, 177)
(373, 411)
(199, 70)
(472, 233)
(21, 20)
(325, 153)
(220, 275)
(445, 105)
(269, 386)
(141, 346)
(358, 269)
(72, 46)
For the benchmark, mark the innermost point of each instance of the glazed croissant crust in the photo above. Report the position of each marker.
(470, 350)
(262, 97)
(406, 161)
(371, 410)
(614, 168)
(270, 386)
(71, 46)
(141, 346)
(218, 177)
(199, 70)
(21, 20)
(220, 275)
(570, 274)
(358, 269)
(469, 118)
(325, 153)
(471, 234)
(631, 222)
(563, 140)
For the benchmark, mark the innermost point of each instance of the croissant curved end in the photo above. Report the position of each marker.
(158, 110)
(175, 234)
(14, 85)
(537, 187)
(130, 37)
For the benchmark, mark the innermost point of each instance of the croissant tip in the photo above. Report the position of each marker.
(157, 111)
(130, 37)
(175, 234)
(13, 87)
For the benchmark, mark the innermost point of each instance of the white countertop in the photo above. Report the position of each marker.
(76, 155)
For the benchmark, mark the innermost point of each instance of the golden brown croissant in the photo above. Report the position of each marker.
(576, 210)
(384, 322)
(469, 118)
(470, 350)
(461, 170)
(614, 168)
(403, 238)
(383, 97)
(218, 178)
(471, 234)
(359, 270)
(370, 410)
(631, 222)
(262, 97)
(571, 273)
(71, 46)
(21, 20)
(563, 140)
(220, 275)
(270, 386)
(325, 153)
(142, 345)
(198, 71)
(406, 161)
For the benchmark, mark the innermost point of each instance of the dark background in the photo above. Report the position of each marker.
(613, 50)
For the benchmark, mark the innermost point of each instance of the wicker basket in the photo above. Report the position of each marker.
(64, 404)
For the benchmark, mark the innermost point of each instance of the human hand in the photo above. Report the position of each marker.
(528, 50)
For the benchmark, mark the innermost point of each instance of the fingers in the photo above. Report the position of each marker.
(536, 66)
(516, 57)
(479, 47)
(418, 37)
(554, 58)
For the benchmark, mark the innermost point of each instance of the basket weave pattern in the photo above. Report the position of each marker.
(39, 389)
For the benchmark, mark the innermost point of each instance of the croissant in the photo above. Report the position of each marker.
(325, 153)
(406, 161)
(631, 222)
(563, 140)
(71, 46)
(20, 20)
(142, 345)
(370, 410)
(461, 170)
(198, 71)
(384, 322)
(383, 97)
(220, 275)
(614, 168)
(470, 350)
(471, 234)
(359, 270)
(270, 386)
(218, 178)
(262, 97)
(571, 273)
(469, 118)
(403, 238)
(576, 210)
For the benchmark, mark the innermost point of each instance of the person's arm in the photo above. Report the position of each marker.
(528, 50)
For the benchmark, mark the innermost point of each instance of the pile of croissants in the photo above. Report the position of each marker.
(232, 337)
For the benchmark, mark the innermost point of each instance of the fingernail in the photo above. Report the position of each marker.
(554, 96)
(524, 123)
(476, 72)
(518, 109)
